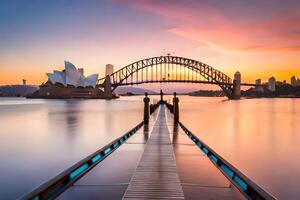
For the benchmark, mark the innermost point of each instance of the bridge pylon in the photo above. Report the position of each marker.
(236, 92)
(107, 88)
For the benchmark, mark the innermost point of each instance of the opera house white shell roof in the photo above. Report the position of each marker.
(72, 76)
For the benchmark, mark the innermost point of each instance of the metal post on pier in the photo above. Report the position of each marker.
(175, 108)
(161, 97)
(146, 108)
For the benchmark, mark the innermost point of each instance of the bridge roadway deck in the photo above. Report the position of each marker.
(151, 165)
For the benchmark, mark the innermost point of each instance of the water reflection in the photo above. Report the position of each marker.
(258, 136)
(72, 115)
(175, 132)
(109, 117)
(146, 132)
(236, 123)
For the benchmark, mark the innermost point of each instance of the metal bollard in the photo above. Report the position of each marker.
(161, 97)
(146, 109)
(175, 108)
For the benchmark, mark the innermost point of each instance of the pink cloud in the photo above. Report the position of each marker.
(220, 29)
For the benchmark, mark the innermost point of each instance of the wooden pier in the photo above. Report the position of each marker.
(160, 162)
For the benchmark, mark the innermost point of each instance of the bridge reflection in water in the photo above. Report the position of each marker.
(158, 161)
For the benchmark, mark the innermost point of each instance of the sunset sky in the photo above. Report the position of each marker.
(258, 38)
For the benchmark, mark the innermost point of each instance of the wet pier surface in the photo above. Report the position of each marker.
(156, 175)
(158, 162)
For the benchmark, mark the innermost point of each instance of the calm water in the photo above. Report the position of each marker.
(41, 138)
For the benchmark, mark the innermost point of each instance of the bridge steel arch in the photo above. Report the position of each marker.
(210, 74)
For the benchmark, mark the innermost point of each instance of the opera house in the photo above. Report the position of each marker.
(69, 83)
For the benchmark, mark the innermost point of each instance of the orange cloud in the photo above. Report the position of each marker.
(221, 30)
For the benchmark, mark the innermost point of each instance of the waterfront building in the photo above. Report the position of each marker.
(293, 81)
(284, 82)
(72, 77)
(272, 84)
(69, 83)
(258, 87)
(258, 82)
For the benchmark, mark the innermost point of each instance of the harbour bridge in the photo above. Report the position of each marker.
(168, 69)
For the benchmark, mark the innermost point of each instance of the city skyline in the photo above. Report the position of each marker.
(259, 39)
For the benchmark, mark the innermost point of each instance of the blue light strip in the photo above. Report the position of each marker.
(79, 170)
(96, 158)
(205, 150)
(213, 158)
(240, 182)
(199, 144)
(228, 171)
(116, 144)
(106, 151)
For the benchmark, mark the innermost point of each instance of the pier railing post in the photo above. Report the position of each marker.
(161, 97)
(175, 108)
(146, 109)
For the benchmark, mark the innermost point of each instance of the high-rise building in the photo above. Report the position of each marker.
(284, 82)
(109, 69)
(272, 84)
(24, 82)
(298, 82)
(293, 81)
(258, 82)
(258, 87)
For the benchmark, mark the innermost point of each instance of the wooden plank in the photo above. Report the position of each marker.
(156, 175)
